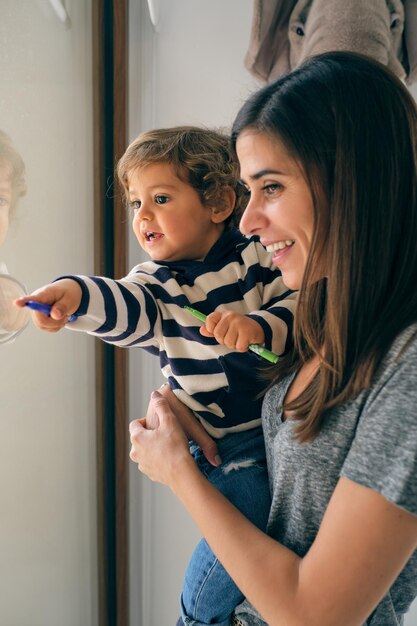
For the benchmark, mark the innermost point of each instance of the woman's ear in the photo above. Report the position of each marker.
(225, 207)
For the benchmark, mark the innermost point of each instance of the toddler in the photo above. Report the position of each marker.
(182, 188)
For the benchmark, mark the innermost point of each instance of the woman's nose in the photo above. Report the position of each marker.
(251, 220)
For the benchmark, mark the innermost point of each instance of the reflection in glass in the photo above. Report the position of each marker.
(12, 187)
(12, 183)
(12, 319)
(48, 539)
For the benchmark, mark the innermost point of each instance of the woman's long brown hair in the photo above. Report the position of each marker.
(351, 125)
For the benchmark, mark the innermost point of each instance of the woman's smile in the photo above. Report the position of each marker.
(280, 250)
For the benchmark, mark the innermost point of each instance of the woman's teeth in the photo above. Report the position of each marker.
(279, 245)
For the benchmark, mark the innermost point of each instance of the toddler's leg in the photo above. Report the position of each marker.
(209, 595)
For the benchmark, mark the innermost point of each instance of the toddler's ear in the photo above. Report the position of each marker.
(225, 207)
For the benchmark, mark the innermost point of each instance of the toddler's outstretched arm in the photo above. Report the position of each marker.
(234, 330)
(64, 297)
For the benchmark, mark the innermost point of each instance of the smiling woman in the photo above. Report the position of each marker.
(339, 418)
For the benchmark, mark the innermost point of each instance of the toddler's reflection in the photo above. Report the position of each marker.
(12, 181)
(12, 187)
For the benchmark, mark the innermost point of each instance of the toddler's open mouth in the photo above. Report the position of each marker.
(150, 235)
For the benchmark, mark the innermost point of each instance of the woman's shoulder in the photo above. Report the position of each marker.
(383, 454)
(404, 347)
(400, 358)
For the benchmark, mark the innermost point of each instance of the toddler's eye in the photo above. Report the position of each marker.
(161, 199)
(135, 205)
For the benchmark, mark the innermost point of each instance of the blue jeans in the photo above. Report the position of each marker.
(209, 595)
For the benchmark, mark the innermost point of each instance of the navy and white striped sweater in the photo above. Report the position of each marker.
(145, 309)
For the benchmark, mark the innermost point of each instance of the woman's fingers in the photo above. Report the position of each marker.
(136, 427)
(191, 426)
(159, 452)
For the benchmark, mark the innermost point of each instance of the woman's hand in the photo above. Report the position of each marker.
(189, 423)
(161, 451)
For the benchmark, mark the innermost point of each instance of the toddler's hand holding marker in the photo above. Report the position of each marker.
(256, 348)
(53, 305)
(46, 309)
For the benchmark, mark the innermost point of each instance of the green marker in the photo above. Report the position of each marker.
(254, 347)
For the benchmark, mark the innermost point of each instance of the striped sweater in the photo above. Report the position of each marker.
(145, 309)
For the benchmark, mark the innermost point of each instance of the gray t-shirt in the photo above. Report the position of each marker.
(372, 441)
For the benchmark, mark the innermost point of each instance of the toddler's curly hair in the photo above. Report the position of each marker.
(200, 156)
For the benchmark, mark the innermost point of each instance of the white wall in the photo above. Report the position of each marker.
(189, 72)
(48, 572)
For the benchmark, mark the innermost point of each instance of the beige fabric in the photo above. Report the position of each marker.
(268, 54)
(410, 39)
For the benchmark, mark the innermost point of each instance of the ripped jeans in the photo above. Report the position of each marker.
(209, 595)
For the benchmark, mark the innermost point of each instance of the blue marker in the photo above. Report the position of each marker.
(46, 309)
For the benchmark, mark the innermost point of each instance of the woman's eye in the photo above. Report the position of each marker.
(161, 199)
(272, 188)
(4, 202)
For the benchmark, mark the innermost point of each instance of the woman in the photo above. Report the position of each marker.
(328, 154)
